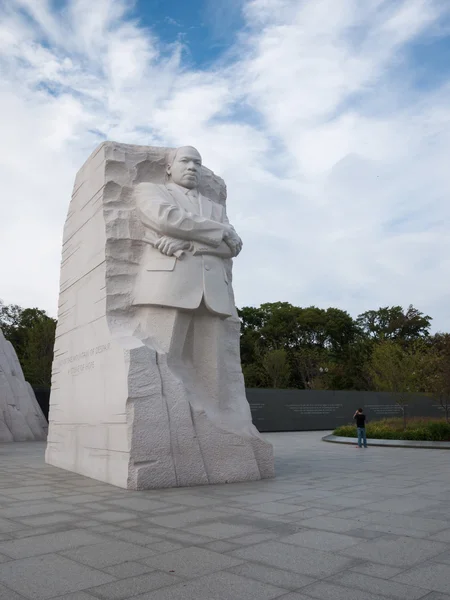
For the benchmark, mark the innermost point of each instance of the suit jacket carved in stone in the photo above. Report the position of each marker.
(200, 272)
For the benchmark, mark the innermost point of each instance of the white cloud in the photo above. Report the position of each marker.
(335, 162)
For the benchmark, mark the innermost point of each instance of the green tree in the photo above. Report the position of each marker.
(38, 353)
(32, 333)
(438, 377)
(398, 370)
(255, 376)
(276, 365)
(393, 323)
(313, 366)
(302, 333)
(10, 318)
(352, 369)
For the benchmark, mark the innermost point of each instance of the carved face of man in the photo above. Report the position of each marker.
(186, 167)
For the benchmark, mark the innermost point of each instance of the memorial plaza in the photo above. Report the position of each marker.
(337, 523)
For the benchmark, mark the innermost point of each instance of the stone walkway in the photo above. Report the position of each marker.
(338, 523)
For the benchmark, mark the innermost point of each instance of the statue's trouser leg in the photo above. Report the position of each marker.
(221, 413)
(219, 379)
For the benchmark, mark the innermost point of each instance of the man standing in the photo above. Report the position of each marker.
(360, 419)
(185, 314)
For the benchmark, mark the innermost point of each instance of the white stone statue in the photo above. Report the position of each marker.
(21, 417)
(148, 390)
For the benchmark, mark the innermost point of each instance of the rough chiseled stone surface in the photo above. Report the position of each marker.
(21, 418)
(123, 410)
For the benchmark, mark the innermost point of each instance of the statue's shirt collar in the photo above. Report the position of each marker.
(186, 191)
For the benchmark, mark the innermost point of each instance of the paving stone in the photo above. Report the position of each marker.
(406, 504)
(382, 530)
(138, 504)
(336, 502)
(220, 530)
(444, 557)
(351, 513)
(428, 525)
(441, 536)
(396, 551)
(8, 594)
(328, 523)
(42, 577)
(294, 596)
(163, 547)
(35, 531)
(377, 570)
(44, 544)
(306, 561)
(111, 516)
(431, 576)
(321, 540)
(134, 537)
(7, 526)
(79, 498)
(186, 518)
(33, 495)
(10, 492)
(276, 577)
(193, 500)
(192, 562)
(76, 596)
(220, 546)
(108, 553)
(253, 538)
(134, 586)
(365, 583)
(29, 509)
(49, 519)
(218, 586)
(233, 510)
(105, 529)
(329, 591)
(87, 523)
(169, 510)
(261, 498)
(285, 528)
(98, 506)
(366, 534)
(186, 538)
(130, 524)
(127, 569)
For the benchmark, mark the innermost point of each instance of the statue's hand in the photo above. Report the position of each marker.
(169, 245)
(233, 241)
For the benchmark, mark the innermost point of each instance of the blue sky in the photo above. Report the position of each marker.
(207, 28)
(329, 121)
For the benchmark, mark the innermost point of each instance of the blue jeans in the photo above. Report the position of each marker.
(362, 437)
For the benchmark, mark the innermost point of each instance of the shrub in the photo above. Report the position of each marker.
(418, 429)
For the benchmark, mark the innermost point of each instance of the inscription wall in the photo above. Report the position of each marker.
(306, 410)
(82, 361)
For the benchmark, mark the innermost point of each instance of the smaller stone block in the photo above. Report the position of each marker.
(21, 417)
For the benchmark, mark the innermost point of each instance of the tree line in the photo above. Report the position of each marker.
(32, 333)
(286, 346)
(389, 349)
